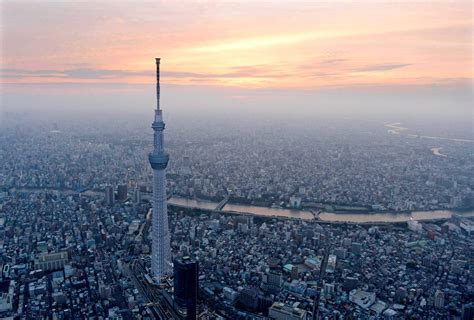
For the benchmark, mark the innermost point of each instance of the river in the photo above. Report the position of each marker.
(437, 152)
(323, 216)
(290, 213)
(396, 128)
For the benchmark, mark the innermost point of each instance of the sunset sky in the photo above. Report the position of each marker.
(270, 44)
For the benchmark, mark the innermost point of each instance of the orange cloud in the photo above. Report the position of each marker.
(248, 44)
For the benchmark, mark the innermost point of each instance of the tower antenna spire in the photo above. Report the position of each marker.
(157, 83)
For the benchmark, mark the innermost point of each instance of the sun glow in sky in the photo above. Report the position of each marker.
(277, 44)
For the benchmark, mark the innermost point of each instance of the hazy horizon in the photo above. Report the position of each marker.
(389, 60)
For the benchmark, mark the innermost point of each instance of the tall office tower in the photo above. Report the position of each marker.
(122, 191)
(137, 195)
(439, 299)
(273, 281)
(161, 252)
(186, 272)
(467, 311)
(109, 195)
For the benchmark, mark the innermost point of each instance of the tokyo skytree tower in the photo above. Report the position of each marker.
(161, 252)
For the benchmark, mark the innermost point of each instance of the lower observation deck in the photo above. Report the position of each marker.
(158, 125)
(158, 160)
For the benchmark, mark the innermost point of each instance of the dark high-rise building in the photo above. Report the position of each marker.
(122, 192)
(248, 299)
(186, 286)
(273, 281)
(467, 311)
(350, 283)
(109, 195)
(137, 195)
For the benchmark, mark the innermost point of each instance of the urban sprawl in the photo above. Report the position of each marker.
(75, 220)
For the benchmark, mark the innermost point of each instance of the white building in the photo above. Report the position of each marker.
(329, 289)
(361, 298)
(281, 311)
(295, 202)
(230, 294)
(51, 261)
(467, 226)
(331, 266)
(415, 226)
(439, 299)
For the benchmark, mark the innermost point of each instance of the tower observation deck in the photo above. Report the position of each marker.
(161, 252)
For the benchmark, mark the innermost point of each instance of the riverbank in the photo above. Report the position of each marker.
(396, 128)
(388, 217)
(321, 216)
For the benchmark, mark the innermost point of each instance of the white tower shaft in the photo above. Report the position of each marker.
(161, 251)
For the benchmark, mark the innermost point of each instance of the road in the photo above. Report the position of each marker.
(319, 287)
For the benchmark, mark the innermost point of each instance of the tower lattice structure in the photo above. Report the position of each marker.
(161, 251)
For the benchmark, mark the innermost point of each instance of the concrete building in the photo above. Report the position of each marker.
(137, 195)
(122, 192)
(7, 291)
(329, 289)
(230, 294)
(281, 311)
(439, 299)
(414, 226)
(109, 195)
(295, 202)
(51, 261)
(272, 281)
(331, 266)
(361, 298)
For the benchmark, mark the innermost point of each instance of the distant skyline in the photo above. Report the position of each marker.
(239, 44)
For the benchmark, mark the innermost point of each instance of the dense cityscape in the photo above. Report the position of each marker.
(76, 227)
(68, 256)
(339, 162)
